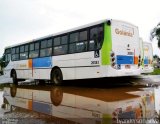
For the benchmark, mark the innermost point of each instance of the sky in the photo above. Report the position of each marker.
(23, 20)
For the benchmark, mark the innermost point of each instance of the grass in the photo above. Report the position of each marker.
(156, 72)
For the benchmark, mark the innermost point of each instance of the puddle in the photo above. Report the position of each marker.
(79, 104)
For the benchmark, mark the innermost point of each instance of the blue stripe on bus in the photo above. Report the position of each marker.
(42, 62)
(124, 59)
(127, 115)
(42, 107)
(146, 61)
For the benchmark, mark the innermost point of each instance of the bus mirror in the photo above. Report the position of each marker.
(108, 22)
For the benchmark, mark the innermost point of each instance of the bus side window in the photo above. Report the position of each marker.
(64, 39)
(57, 41)
(45, 52)
(7, 56)
(23, 52)
(46, 48)
(60, 50)
(96, 38)
(72, 48)
(100, 36)
(82, 45)
(74, 37)
(34, 50)
(15, 53)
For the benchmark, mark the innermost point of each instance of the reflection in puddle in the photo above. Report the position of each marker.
(84, 105)
(1, 100)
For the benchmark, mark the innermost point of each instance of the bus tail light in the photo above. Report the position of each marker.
(139, 61)
(112, 54)
(113, 63)
(113, 59)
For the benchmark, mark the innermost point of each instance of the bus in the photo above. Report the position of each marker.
(107, 48)
(147, 57)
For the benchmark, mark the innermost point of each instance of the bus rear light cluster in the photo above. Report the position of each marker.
(113, 59)
(112, 54)
(113, 63)
(139, 61)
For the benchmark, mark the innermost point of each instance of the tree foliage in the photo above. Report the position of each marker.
(155, 33)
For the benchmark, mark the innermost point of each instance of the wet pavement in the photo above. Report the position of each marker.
(1, 102)
(84, 101)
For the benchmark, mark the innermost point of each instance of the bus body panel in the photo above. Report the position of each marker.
(147, 66)
(125, 45)
(78, 65)
(120, 38)
(66, 63)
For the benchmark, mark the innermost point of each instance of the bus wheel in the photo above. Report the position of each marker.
(56, 96)
(56, 76)
(14, 78)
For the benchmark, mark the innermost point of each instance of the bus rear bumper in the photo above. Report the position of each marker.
(147, 70)
(124, 72)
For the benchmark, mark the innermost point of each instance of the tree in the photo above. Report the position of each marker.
(156, 33)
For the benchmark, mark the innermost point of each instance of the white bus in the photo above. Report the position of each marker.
(147, 57)
(108, 48)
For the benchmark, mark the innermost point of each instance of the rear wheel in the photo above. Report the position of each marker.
(56, 76)
(56, 96)
(14, 78)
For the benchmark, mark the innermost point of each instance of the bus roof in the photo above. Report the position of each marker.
(66, 31)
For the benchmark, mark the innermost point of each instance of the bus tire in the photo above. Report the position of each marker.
(14, 77)
(56, 76)
(56, 96)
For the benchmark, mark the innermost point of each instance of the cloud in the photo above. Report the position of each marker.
(25, 20)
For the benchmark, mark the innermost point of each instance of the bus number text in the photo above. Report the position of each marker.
(94, 62)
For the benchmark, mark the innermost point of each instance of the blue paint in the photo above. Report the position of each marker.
(42, 107)
(42, 62)
(124, 59)
(146, 61)
(127, 115)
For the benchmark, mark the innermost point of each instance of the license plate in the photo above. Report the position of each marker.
(127, 66)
